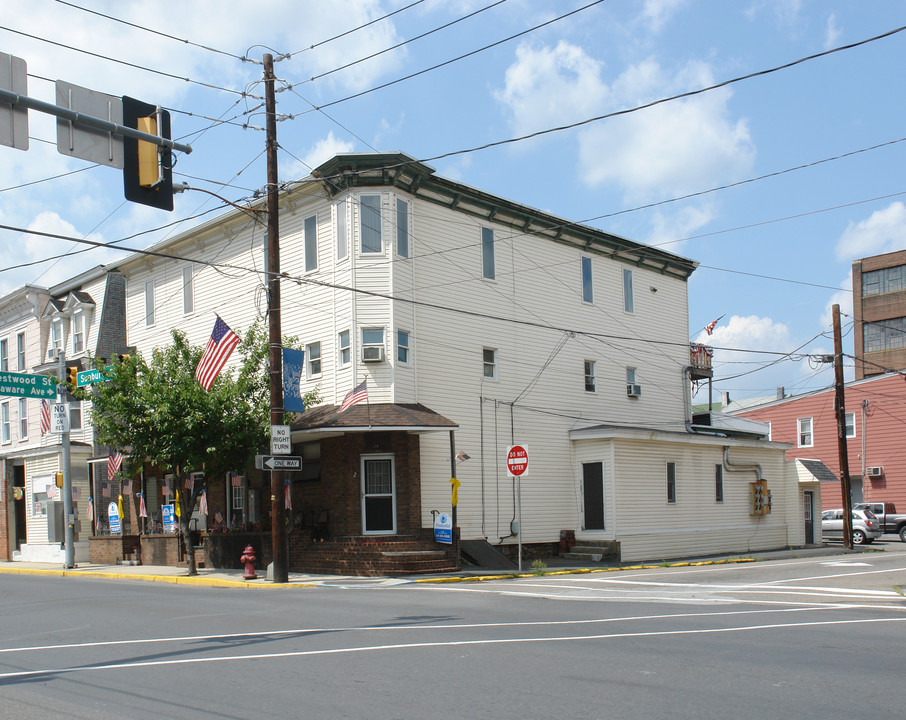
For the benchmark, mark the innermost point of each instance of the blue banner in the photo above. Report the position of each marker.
(293, 362)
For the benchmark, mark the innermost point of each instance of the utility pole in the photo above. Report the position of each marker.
(840, 409)
(68, 518)
(278, 511)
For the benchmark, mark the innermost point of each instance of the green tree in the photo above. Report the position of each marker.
(158, 412)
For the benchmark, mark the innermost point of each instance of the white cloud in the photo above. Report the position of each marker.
(884, 231)
(668, 227)
(843, 298)
(657, 12)
(320, 152)
(833, 33)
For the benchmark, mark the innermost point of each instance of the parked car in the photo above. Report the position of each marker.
(866, 527)
(886, 512)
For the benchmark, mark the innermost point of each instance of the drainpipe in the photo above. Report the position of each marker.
(864, 432)
(740, 467)
(687, 397)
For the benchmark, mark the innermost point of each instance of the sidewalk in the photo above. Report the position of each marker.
(211, 577)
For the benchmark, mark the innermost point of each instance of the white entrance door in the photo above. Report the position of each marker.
(378, 495)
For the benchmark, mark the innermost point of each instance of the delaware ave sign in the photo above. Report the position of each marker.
(26, 385)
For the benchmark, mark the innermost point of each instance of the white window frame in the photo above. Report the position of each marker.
(850, 425)
(363, 461)
(800, 432)
(188, 290)
(342, 222)
(310, 252)
(366, 211)
(588, 285)
(313, 360)
(75, 414)
(4, 354)
(491, 363)
(628, 298)
(344, 348)
(23, 419)
(78, 332)
(149, 303)
(56, 334)
(369, 338)
(20, 351)
(488, 254)
(403, 248)
(4, 423)
(403, 348)
(591, 376)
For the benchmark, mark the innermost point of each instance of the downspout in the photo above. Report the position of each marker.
(864, 432)
(687, 397)
(740, 467)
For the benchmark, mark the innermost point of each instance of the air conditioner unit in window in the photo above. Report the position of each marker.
(373, 353)
(633, 390)
(874, 471)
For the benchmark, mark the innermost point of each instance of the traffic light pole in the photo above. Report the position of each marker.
(68, 517)
(275, 345)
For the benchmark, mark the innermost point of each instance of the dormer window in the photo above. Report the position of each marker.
(56, 335)
(78, 331)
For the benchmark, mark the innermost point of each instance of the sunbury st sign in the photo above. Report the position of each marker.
(27, 385)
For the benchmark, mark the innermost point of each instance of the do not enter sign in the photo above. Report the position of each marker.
(517, 461)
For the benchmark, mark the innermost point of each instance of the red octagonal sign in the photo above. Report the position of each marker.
(517, 461)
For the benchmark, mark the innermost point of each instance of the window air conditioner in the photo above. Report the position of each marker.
(373, 353)
(874, 471)
(633, 390)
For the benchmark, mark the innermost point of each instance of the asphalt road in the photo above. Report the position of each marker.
(801, 637)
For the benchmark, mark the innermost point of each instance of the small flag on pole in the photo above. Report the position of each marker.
(287, 494)
(235, 480)
(114, 463)
(45, 417)
(355, 396)
(89, 511)
(216, 353)
(462, 457)
(709, 328)
(142, 508)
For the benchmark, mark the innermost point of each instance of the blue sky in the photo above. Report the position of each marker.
(775, 253)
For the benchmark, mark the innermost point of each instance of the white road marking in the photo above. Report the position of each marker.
(434, 644)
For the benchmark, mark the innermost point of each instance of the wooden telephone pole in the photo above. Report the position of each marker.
(275, 346)
(840, 410)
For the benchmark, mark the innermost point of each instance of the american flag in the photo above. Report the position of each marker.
(354, 396)
(235, 480)
(709, 328)
(203, 504)
(142, 508)
(45, 417)
(114, 463)
(89, 511)
(218, 350)
(287, 495)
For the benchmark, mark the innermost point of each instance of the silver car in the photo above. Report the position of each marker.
(866, 527)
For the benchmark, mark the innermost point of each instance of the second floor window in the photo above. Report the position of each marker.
(591, 382)
(313, 359)
(149, 303)
(402, 228)
(4, 422)
(344, 354)
(4, 355)
(20, 352)
(489, 357)
(402, 347)
(588, 291)
(371, 223)
(56, 335)
(311, 243)
(23, 418)
(342, 233)
(628, 302)
(804, 432)
(188, 291)
(78, 331)
(850, 421)
(488, 269)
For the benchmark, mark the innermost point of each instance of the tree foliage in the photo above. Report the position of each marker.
(158, 412)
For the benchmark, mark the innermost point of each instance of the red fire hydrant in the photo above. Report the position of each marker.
(248, 557)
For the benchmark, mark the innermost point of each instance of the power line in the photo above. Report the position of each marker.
(158, 32)
(126, 63)
(462, 57)
(349, 32)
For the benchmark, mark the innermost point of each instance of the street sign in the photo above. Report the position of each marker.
(89, 143)
(517, 461)
(13, 118)
(59, 418)
(443, 528)
(27, 385)
(284, 462)
(90, 377)
(281, 442)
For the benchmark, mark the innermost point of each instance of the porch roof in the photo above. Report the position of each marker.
(375, 417)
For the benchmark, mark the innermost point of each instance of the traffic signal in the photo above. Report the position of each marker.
(59, 479)
(147, 168)
(72, 374)
(122, 357)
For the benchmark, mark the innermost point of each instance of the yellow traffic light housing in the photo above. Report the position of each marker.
(72, 375)
(59, 479)
(147, 167)
(148, 157)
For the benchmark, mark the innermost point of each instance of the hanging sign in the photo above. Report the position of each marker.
(443, 528)
(168, 515)
(113, 515)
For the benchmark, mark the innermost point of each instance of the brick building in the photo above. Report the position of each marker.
(879, 309)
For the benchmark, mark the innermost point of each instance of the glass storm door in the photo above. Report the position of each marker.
(593, 494)
(378, 495)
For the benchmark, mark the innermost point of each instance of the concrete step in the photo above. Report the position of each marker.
(584, 556)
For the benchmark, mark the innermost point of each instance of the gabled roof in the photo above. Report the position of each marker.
(372, 417)
(818, 470)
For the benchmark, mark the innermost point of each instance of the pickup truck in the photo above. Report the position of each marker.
(886, 512)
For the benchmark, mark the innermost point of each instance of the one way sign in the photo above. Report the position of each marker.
(282, 462)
